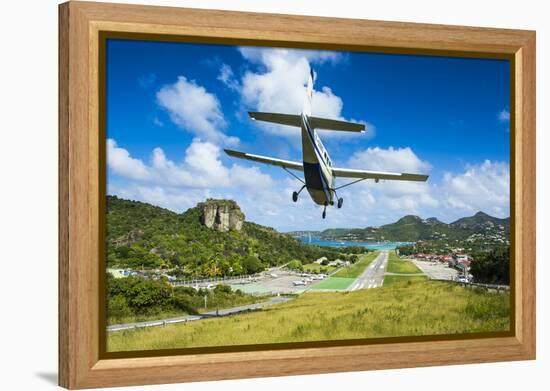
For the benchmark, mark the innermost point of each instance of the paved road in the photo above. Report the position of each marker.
(373, 276)
(204, 315)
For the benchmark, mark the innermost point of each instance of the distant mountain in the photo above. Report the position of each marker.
(412, 228)
(480, 221)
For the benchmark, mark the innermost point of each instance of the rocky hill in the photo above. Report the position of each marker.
(221, 215)
(210, 239)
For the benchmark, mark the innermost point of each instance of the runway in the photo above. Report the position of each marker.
(373, 275)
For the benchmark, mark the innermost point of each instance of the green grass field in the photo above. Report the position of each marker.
(388, 280)
(397, 265)
(420, 308)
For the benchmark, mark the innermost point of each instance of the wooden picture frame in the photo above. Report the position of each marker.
(81, 363)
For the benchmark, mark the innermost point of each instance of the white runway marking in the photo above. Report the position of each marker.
(373, 274)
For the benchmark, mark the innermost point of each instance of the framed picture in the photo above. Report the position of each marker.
(247, 195)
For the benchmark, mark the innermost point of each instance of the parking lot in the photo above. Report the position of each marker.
(436, 270)
(277, 282)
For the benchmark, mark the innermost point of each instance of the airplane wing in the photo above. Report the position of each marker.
(266, 160)
(364, 174)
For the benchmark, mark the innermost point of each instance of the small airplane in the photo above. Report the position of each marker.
(317, 166)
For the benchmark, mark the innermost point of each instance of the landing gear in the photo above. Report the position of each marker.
(325, 211)
(340, 200)
(295, 194)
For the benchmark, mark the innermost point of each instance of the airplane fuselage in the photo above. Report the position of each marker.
(317, 165)
(318, 169)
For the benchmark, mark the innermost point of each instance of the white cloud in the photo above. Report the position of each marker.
(250, 177)
(279, 85)
(504, 116)
(266, 200)
(484, 187)
(194, 109)
(271, 56)
(121, 163)
(175, 199)
(391, 198)
(391, 159)
(227, 77)
(200, 168)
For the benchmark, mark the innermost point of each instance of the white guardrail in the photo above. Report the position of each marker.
(215, 280)
(489, 287)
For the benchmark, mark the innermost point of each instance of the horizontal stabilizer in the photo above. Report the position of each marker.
(315, 122)
(266, 160)
(277, 118)
(364, 174)
(332, 124)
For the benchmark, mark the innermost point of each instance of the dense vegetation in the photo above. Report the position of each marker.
(492, 267)
(135, 299)
(142, 236)
(401, 309)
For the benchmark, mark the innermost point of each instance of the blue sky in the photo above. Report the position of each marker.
(172, 107)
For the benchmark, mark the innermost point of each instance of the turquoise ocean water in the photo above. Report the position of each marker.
(314, 240)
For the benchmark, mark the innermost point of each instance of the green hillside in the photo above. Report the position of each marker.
(479, 222)
(413, 228)
(142, 236)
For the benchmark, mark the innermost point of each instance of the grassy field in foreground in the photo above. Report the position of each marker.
(355, 270)
(397, 265)
(422, 308)
(388, 280)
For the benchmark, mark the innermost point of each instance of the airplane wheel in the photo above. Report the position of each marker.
(294, 196)
(340, 202)
(324, 214)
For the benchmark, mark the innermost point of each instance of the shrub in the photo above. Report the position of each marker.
(295, 265)
(118, 308)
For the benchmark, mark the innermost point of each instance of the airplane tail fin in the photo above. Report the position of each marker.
(309, 92)
(315, 122)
